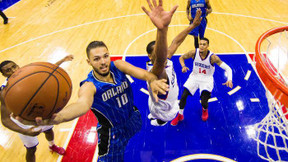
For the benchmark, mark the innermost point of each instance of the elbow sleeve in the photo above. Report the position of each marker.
(227, 69)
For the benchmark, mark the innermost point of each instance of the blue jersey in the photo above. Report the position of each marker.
(113, 102)
(195, 4)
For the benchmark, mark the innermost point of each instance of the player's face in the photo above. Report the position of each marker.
(99, 59)
(9, 69)
(203, 45)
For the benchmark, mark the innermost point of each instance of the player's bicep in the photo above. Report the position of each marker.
(5, 113)
(216, 59)
(190, 54)
(129, 69)
(86, 94)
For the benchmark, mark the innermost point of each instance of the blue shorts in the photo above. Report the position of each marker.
(112, 142)
(199, 30)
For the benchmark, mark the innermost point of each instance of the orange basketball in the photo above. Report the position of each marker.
(37, 90)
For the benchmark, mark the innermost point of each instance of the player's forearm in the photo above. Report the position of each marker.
(228, 70)
(182, 61)
(161, 50)
(8, 123)
(73, 111)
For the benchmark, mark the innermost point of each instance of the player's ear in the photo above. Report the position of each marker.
(88, 61)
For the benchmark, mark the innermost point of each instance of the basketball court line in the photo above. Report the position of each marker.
(203, 157)
(234, 90)
(254, 100)
(248, 74)
(117, 17)
(68, 138)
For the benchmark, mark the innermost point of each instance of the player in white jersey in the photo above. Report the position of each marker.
(167, 106)
(201, 77)
(27, 132)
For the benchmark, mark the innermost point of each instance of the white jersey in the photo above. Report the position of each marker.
(4, 84)
(167, 107)
(202, 68)
(202, 74)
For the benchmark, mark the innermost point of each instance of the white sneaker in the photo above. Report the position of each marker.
(150, 116)
(155, 123)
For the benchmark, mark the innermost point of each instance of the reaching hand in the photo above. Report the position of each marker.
(185, 69)
(33, 131)
(68, 58)
(197, 20)
(158, 16)
(159, 86)
(228, 84)
(55, 119)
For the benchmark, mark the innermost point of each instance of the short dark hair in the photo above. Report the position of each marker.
(149, 48)
(94, 44)
(3, 63)
(206, 39)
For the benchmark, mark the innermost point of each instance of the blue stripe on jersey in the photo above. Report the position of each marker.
(195, 4)
(113, 100)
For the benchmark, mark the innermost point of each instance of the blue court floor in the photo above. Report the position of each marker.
(228, 130)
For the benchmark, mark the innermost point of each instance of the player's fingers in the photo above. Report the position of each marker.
(154, 3)
(149, 4)
(155, 96)
(39, 120)
(174, 9)
(145, 10)
(19, 118)
(160, 2)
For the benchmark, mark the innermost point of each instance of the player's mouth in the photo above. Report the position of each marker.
(104, 68)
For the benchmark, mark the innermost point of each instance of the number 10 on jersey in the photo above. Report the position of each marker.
(122, 100)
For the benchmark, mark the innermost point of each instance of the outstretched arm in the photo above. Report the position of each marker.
(8, 123)
(224, 66)
(161, 19)
(177, 41)
(74, 110)
(209, 8)
(156, 85)
(190, 54)
(66, 58)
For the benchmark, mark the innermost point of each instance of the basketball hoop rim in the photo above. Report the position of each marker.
(278, 83)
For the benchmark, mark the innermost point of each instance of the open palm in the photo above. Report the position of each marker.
(159, 17)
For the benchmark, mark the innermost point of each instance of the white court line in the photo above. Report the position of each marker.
(211, 99)
(248, 75)
(254, 100)
(180, 54)
(234, 90)
(130, 44)
(129, 78)
(203, 157)
(118, 17)
(144, 91)
(68, 138)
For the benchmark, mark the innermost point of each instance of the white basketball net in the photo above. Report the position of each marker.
(272, 132)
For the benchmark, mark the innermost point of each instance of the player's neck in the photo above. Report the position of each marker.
(204, 53)
(107, 78)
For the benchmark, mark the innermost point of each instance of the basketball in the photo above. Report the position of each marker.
(37, 90)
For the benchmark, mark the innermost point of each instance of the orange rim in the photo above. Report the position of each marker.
(275, 86)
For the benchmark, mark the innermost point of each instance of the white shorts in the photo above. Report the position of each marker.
(192, 84)
(30, 141)
(163, 110)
